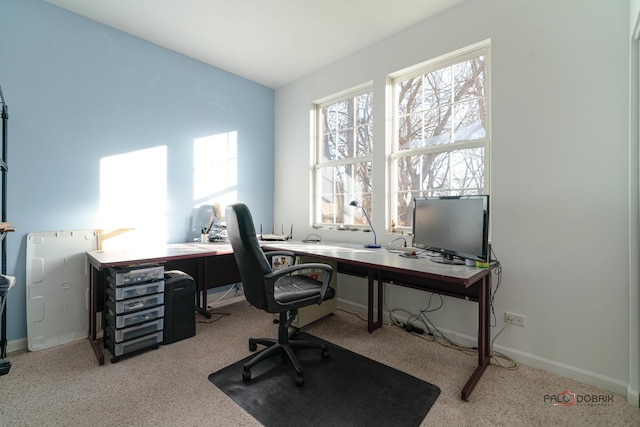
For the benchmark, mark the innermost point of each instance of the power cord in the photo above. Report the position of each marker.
(352, 313)
(497, 270)
(434, 334)
(235, 287)
(431, 332)
(395, 248)
(495, 356)
(214, 320)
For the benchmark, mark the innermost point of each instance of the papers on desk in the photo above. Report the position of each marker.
(6, 282)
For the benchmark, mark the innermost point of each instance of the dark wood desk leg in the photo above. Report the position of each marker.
(3, 331)
(370, 321)
(374, 324)
(380, 296)
(201, 289)
(484, 336)
(93, 312)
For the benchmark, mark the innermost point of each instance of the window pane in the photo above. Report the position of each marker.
(437, 126)
(364, 136)
(327, 209)
(362, 182)
(438, 87)
(365, 108)
(410, 132)
(435, 113)
(469, 79)
(451, 101)
(344, 111)
(419, 174)
(467, 171)
(328, 119)
(459, 172)
(358, 216)
(409, 95)
(469, 125)
(327, 181)
(405, 208)
(338, 187)
(453, 172)
(345, 136)
(345, 144)
(328, 149)
(435, 172)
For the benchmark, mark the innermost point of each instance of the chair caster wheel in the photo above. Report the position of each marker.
(253, 346)
(246, 375)
(299, 380)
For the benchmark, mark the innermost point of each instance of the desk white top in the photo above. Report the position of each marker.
(380, 259)
(156, 254)
(356, 254)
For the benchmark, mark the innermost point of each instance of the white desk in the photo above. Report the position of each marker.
(210, 264)
(379, 265)
(214, 261)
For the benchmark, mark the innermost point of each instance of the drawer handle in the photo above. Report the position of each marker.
(133, 305)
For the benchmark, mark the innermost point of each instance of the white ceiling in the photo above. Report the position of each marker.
(272, 42)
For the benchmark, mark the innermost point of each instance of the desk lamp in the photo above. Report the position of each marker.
(375, 244)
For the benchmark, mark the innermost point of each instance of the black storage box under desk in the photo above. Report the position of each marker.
(179, 306)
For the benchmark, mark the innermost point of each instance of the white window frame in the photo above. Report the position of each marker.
(318, 164)
(479, 49)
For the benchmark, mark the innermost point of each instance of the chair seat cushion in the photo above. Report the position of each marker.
(296, 286)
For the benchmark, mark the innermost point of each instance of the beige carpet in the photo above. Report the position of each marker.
(64, 386)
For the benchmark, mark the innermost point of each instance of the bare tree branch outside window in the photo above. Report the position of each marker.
(441, 132)
(344, 167)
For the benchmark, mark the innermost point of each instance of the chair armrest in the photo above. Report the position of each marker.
(293, 268)
(271, 278)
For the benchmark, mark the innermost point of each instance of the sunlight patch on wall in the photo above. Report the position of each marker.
(215, 173)
(133, 194)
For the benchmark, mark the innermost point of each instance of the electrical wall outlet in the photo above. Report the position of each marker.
(515, 319)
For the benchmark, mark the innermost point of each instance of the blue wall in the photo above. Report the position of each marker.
(79, 91)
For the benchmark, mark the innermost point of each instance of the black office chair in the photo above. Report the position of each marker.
(281, 291)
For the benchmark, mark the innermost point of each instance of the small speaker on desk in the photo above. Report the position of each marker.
(179, 306)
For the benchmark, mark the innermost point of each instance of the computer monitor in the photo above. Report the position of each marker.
(455, 226)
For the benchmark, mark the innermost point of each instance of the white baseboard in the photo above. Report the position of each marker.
(213, 299)
(562, 369)
(567, 371)
(558, 368)
(633, 397)
(17, 345)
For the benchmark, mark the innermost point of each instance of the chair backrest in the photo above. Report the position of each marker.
(252, 263)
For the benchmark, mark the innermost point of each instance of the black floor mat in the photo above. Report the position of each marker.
(345, 390)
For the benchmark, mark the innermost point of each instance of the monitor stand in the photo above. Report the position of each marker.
(447, 259)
